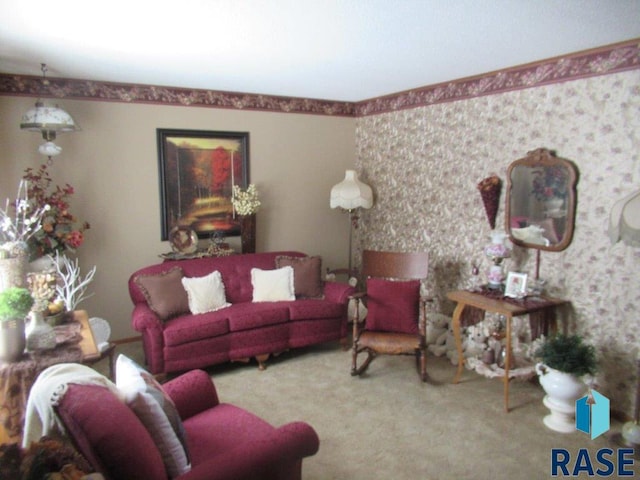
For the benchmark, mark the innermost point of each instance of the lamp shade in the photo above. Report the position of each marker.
(351, 193)
(42, 118)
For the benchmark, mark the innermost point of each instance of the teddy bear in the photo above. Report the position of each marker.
(437, 324)
(450, 346)
(443, 343)
(476, 341)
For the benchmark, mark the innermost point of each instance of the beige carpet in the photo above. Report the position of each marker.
(389, 425)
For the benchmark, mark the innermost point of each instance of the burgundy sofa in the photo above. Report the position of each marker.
(224, 442)
(241, 331)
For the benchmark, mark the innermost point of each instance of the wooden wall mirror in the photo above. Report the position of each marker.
(541, 201)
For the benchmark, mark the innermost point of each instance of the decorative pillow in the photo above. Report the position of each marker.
(393, 305)
(206, 294)
(164, 292)
(156, 411)
(272, 285)
(307, 275)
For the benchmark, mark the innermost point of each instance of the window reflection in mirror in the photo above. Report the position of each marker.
(541, 201)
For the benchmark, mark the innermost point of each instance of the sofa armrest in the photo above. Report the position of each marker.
(270, 456)
(192, 392)
(338, 292)
(143, 318)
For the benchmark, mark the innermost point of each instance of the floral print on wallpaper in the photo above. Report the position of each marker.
(424, 165)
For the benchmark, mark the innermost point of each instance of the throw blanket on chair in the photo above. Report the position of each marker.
(48, 389)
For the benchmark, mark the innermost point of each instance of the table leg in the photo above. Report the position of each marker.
(457, 314)
(507, 363)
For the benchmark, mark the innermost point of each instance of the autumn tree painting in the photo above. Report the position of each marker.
(197, 172)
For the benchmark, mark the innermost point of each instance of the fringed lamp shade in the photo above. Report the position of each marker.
(351, 193)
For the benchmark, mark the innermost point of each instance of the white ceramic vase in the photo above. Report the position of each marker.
(39, 334)
(562, 390)
(12, 340)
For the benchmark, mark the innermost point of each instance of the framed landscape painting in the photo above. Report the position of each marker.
(197, 170)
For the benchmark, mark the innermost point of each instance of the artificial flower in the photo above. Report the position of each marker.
(60, 229)
(245, 202)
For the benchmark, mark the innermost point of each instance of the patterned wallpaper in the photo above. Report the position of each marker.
(424, 164)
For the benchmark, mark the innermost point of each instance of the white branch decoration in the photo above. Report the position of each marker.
(74, 287)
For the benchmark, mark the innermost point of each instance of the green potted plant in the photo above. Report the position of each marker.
(564, 360)
(15, 303)
(568, 354)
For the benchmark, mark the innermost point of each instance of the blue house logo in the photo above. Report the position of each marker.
(592, 417)
(592, 414)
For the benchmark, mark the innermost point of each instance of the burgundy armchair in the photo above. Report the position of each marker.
(224, 441)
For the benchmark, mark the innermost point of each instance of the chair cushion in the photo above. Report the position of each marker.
(272, 285)
(164, 292)
(393, 305)
(206, 294)
(307, 275)
(95, 419)
(157, 413)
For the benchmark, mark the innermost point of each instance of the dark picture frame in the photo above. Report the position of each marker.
(197, 169)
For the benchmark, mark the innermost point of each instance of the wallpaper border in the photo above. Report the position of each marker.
(599, 61)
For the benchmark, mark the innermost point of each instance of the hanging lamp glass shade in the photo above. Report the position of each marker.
(49, 121)
(42, 118)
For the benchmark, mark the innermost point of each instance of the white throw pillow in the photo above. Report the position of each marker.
(206, 294)
(272, 285)
(156, 411)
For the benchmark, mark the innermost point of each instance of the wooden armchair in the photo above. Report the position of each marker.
(396, 318)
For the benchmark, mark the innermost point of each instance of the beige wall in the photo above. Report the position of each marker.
(424, 164)
(112, 163)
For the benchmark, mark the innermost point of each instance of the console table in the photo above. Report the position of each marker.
(509, 307)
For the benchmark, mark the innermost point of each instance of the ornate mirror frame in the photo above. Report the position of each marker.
(541, 201)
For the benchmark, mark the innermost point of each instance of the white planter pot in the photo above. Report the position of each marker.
(562, 391)
(12, 340)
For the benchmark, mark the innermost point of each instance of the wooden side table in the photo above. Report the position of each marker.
(108, 352)
(509, 308)
(17, 378)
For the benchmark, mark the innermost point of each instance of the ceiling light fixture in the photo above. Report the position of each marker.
(49, 121)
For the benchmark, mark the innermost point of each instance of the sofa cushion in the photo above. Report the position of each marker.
(307, 275)
(164, 292)
(392, 305)
(246, 316)
(157, 413)
(189, 328)
(206, 294)
(309, 309)
(272, 285)
(234, 427)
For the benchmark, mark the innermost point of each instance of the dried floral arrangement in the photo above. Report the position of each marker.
(60, 229)
(245, 202)
(18, 227)
(490, 191)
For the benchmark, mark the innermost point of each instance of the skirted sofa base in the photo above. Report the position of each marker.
(243, 330)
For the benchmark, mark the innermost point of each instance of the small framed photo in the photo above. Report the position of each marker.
(516, 286)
